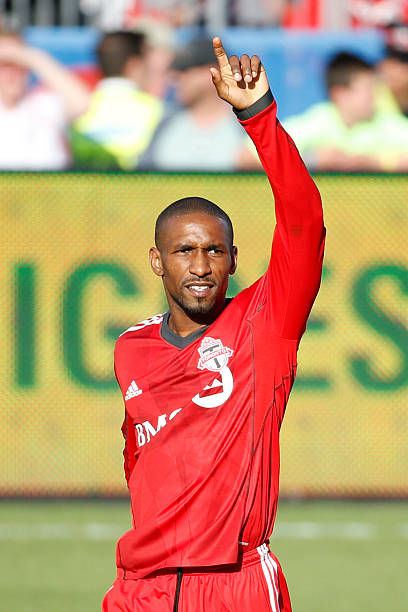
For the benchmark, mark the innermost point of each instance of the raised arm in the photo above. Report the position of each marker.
(297, 251)
(54, 75)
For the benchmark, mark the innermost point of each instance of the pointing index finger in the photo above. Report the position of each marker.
(220, 54)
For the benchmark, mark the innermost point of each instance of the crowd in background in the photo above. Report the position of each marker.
(153, 105)
(118, 14)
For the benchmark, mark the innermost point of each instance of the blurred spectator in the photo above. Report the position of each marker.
(394, 70)
(210, 13)
(105, 14)
(204, 135)
(257, 13)
(303, 14)
(347, 133)
(160, 42)
(118, 14)
(377, 13)
(174, 12)
(33, 122)
(121, 118)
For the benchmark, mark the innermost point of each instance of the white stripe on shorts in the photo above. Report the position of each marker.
(270, 569)
(274, 571)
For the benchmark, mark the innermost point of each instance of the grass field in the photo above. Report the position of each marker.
(337, 556)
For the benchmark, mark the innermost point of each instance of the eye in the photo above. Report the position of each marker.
(215, 250)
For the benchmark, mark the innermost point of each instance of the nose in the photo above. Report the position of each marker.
(200, 264)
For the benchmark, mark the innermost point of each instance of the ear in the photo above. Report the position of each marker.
(234, 259)
(156, 261)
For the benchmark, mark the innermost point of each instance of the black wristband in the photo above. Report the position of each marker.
(255, 108)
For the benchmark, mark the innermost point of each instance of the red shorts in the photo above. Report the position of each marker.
(255, 583)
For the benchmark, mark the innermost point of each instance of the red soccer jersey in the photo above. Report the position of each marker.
(202, 422)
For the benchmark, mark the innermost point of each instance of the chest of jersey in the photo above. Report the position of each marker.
(194, 393)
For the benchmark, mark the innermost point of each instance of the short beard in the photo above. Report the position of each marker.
(201, 307)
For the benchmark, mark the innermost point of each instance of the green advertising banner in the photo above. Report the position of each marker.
(75, 274)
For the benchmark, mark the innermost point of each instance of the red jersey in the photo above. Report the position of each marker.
(203, 413)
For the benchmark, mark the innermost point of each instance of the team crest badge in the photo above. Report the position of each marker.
(213, 355)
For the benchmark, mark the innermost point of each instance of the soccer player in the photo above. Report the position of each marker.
(206, 385)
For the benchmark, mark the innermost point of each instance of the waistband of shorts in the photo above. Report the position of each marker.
(245, 559)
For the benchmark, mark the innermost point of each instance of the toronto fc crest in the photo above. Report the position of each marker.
(213, 355)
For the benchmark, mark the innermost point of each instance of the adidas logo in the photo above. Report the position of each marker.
(133, 391)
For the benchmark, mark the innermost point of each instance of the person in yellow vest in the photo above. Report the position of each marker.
(348, 133)
(121, 117)
(393, 93)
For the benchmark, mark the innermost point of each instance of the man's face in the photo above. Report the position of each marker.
(193, 84)
(362, 92)
(395, 74)
(194, 259)
(358, 97)
(13, 78)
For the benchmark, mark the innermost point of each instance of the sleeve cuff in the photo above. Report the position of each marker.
(255, 108)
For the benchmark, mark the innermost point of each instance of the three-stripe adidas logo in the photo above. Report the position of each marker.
(133, 391)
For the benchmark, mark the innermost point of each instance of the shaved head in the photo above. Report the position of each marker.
(189, 205)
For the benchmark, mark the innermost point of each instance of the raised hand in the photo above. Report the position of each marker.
(241, 82)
